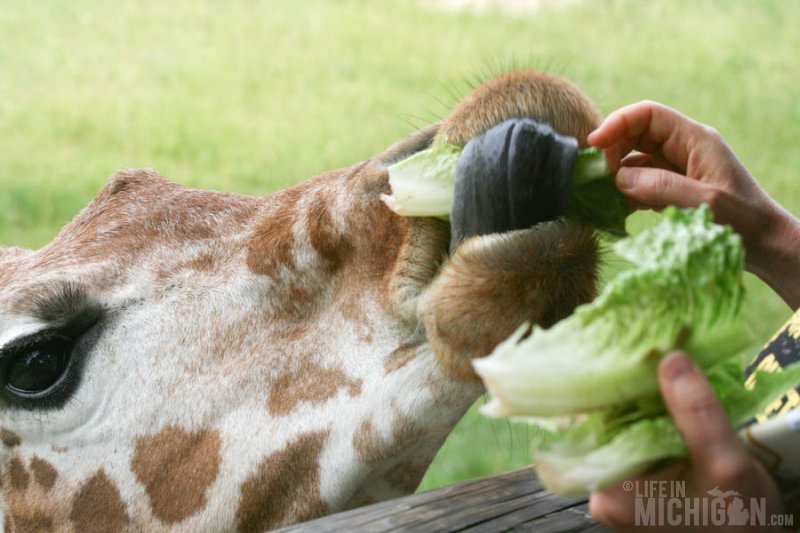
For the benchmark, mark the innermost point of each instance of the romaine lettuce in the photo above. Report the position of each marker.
(686, 284)
(422, 185)
(598, 366)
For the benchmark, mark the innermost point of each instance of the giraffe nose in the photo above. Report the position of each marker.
(511, 177)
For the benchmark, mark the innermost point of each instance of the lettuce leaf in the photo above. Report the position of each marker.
(604, 448)
(422, 185)
(624, 452)
(686, 284)
(595, 198)
(591, 379)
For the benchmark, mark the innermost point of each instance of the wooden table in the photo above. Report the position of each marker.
(511, 501)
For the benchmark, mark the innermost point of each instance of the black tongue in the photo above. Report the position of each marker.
(511, 177)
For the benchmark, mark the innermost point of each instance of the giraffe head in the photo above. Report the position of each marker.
(203, 361)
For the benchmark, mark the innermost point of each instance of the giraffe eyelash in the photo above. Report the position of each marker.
(66, 303)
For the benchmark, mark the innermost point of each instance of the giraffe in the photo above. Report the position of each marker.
(187, 360)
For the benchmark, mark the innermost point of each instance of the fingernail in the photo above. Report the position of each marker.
(677, 366)
(626, 178)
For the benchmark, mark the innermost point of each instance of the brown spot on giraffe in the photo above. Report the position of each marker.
(406, 475)
(285, 487)
(272, 242)
(176, 468)
(376, 232)
(331, 244)
(98, 506)
(18, 476)
(372, 448)
(299, 303)
(360, 499)
(9, 438)
(368, 442)
(32, 523)
(206, 262)
(400, 357)
(310, 383)
(28, 501)
(43, 472)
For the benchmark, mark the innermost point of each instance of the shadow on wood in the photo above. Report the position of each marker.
(511, 501)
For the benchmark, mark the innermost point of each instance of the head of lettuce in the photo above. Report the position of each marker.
(591, 380)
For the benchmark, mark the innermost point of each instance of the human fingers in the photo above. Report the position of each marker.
(648, 127)
(656, 188)
(646, 118)
(616, 506)
(697, 413)
(613, 507)
(637, 159)
(656, 160)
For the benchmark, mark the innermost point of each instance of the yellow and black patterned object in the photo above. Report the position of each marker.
(775, 448)
(782, 350)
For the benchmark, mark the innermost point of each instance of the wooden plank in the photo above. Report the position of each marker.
(499, 503)
(575, 518)
(430, 505)
(572, 518)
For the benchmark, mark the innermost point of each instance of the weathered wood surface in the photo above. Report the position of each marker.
(513, 501)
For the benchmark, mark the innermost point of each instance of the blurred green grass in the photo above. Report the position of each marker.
(253, 96)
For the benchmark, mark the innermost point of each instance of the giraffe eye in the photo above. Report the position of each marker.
(38, 371)
(43, 370)
(36, 368)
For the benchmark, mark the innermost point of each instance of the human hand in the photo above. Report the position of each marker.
(661, 157)
(717, 458)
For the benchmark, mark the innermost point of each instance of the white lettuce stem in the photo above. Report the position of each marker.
(422, 185)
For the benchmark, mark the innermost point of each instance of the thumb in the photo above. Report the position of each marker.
(695, 409)
(658, 187)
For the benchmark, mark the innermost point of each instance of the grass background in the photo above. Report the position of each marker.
(252, 96)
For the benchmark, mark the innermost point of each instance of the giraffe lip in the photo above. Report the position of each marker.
(512, 176)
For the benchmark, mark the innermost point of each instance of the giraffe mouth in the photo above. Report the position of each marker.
(513, 176)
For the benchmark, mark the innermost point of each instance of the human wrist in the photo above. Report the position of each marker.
(775, 258)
